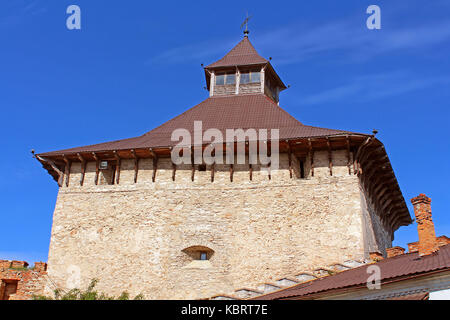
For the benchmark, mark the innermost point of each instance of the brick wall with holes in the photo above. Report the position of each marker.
(18, 282)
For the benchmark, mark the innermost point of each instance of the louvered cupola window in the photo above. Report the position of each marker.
(250, 77)
(226, 78)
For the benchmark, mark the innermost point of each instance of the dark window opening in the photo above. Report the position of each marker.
(8, 288)
(199, 253)
(302, 170)
(203, 255)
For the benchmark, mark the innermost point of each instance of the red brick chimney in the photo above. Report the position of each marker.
(375, 256)
(394, 251)
(425, 227)
(40, 266)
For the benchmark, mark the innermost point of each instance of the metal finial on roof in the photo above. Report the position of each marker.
(245, 23)
(375, 132)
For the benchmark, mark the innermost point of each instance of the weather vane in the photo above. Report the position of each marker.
(245, 23)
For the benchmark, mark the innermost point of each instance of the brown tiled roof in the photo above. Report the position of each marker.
(406, 265)
(228, 112)
(242, 54)
(417, 296)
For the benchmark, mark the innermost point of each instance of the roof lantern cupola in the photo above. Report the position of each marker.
(243, 71)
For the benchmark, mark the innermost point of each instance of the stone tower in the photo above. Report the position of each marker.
(129, 216)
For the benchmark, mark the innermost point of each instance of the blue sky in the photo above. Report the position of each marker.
(115, 79)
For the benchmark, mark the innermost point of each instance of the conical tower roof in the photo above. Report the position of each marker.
(242, 54)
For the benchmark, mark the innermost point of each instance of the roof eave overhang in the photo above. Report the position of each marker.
(370, 163)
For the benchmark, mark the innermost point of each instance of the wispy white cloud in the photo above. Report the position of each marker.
(15, 12)
(375, 86)
(298, 42)
(192, 52)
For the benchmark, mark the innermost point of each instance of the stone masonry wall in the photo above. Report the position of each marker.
(132, 236)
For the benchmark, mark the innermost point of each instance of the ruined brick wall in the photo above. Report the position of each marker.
(441, 241)
(132, 236)
(18, 282)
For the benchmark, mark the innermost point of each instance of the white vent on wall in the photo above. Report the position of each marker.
(103, 165)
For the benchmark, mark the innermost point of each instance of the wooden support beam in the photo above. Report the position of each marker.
(363, 157)
(231, 172)
(97, 167)
(311, 155)
(398, 219)
(387, 203)
(262, 78)
(368, 141)
(383, 182)
(213, 165)
(370, 186)
(118, 162)
(289, 158)
(373, 166)
(380, 197)
(353, 150)
(174, 167)
(251, 171)
(330, 159)
(365, 143)
(174, 171)
(375, 170)
(192, 164)
(383, 192)
(54, 167)
(387, 192)
(136, 165)
(380, 161)
(349, 160)
(83, 168)
(376, 177)
(238, 80)
(369, 155)
(269, 165)
(155, 164)
(67, 169)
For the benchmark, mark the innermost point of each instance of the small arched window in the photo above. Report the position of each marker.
(199, 252)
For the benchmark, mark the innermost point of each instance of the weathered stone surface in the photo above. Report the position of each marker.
(131, 236)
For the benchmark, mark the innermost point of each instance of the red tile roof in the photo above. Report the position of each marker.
(242, 54)
(406, 265)
(255, 111)
(417, 296)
